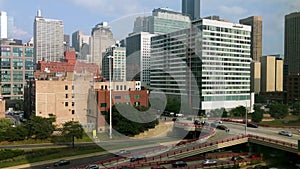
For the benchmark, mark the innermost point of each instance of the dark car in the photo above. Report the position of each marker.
(92, 166)
(197, 122)
(236, 158)
(223, 127)
(252, 125)
(179, 164)
(137, 158)
(61, 163)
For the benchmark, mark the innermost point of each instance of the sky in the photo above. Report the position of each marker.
(120, 14)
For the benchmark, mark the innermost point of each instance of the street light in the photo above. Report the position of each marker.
(110, 113)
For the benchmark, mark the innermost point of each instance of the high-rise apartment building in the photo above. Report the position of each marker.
(116, 56)
(191, 8)
(138, 50)
(101, 38)
(48, 39)
(81, 44)
(256, 35)
(6, 25)
(292, 42)
(213, 60)
(271, 74)
(16, 68)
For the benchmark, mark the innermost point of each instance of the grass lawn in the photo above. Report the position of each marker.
(48, 154)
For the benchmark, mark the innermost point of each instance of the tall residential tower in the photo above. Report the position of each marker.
(191, 8)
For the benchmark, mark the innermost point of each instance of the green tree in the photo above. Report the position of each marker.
(16, 133)
(296, 108)
(71, 130)
(5, 124)
(239, 111)
(257, 115)
(40, 127)
(278, 110)
(173, 104)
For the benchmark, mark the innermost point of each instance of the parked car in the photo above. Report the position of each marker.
(122, 153)
(252, 125)
(236, 158)
(285, 133)
(92, 166)
(179, 164)
(159, 167)
(223, 127)
(61, 163)
(137, 158)
(209, 162)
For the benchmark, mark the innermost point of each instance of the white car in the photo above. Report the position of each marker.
(209, 162)
(285, 133)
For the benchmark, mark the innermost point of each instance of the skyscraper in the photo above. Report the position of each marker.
(292, 42)
(101, 38)
(3, 25)
(81, 44)
(256, 35)
(191, 8)
(48, 39)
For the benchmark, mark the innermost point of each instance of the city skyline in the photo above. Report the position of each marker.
(84, 14)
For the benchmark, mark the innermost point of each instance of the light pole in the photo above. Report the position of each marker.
(110, 113)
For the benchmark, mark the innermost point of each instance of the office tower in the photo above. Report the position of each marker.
(292, 42)
(255, 77)
(3, 24)
(48, 39)
(66, 42)
(199, 60)
(81, 44)
(101, 38)
(256, 35)
(16, 67)
(271, 74)
(138, 50)
(162, 21)
(191, 8)
(118, 63)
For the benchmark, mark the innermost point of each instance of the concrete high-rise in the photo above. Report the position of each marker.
(81, 44)
(212, 59)
(256, 35)
(271, 74)
(292, 42)
(101, 38)
(48, 39)
(191, 8)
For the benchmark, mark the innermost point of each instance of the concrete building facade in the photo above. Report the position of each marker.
(255, 77)
(271, 74)
(48, 39)
(256, 35)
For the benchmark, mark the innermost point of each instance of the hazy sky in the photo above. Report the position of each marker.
(85, 14)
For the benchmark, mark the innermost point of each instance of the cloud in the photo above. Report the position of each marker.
(20, 33)
(232, 10)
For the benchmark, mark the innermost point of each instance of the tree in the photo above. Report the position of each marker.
(257, 115)
(40, 127)
(5, 124)
(239, 111)
(278, 110)
(71, 130)
(296, 108)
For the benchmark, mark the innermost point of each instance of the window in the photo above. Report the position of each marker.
(67, 96)
(73, 87)
(66, 104)
(73, 111)
(66, 87)
(103, 105)
(127, 96)
(73, 95)
(136, 103)
(73, 104)
(117, 97)
(136, 96)
(103, 113)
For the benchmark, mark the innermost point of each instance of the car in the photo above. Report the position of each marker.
(252, 125)
(209, 162)
(285, 133)
(61, 163)
(179, 164)
(122, 153)
(159, 167)
(223, 127)
(137, 158)
(92, 166)
(236, 158)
